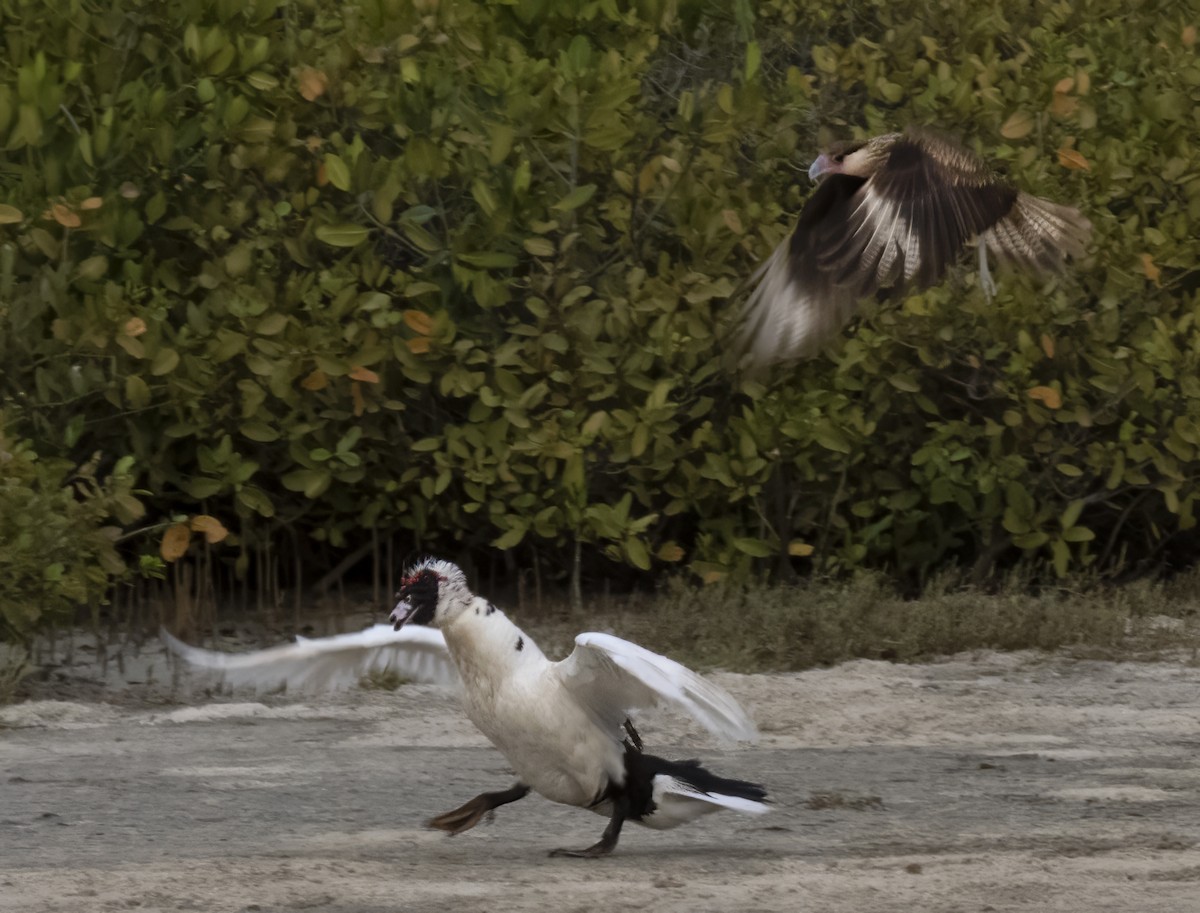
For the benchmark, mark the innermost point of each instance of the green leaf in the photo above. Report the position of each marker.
(753, 60)
(509, 539)
(1062, 557)
(539, 247)
(259, 431)
(756, 548)
(575, 198)
(637, 553)
(311, 482)
(337, 171)
(271, 324)
(256, 500)
(202, 487)
(490, 260)
(1071, 514)
(137, 392)
(345, 234)
(164, 362)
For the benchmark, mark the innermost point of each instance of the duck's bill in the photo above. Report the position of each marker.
(400, 614)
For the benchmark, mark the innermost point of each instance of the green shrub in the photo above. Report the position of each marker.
(466, 272)
(57, 544)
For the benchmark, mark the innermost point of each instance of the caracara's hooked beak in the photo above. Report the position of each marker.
(400, 614)
(823, 165)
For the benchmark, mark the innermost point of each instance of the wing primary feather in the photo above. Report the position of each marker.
(614, 678)
(326, 663)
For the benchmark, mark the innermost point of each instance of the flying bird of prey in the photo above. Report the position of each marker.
(891, 213)
(564, 727)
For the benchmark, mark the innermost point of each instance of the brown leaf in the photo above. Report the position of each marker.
(10, 215)
(1152, 272)
(65, 216)
(91, 203)
(214, 530)
(356, 395)
(1064, 85)
(1048, 396)
(419, 345)
(1048, 345)
(670, 551)
(175, 542)
(1073, 158)
(799, 549)
(130, 190)
(134, 326)
(732, 221)
(1083, 82)
(317, 380)
(322, 175)
(1188, 36)
(419, 322)
(1063, 105)
(313, 83)
(364, 374)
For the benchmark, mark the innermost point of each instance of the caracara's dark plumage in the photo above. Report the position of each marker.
(893, 212)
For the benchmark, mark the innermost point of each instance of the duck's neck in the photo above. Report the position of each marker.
(486, 645)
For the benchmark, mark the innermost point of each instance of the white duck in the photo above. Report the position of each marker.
(564, 727)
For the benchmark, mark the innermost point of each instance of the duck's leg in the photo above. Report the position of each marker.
(467, 816)
(633, 734)
(609, 839)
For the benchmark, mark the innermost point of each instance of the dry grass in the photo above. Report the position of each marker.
(760, 628)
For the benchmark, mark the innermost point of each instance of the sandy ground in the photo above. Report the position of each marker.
(979, 783)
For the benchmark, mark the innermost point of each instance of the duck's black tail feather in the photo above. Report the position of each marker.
(667, 793)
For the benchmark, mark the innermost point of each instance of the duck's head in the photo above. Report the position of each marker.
(432, 592)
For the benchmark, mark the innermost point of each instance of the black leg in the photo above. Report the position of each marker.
(467, 816)
(633, 734)
(608, 841)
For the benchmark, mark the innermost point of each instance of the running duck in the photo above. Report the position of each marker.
(565, 727)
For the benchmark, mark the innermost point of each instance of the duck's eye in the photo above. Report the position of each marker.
(839, 157)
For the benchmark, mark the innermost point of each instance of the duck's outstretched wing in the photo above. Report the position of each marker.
(414, 652)
(613, 678)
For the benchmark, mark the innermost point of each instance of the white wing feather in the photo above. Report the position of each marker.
(613, 678)
(414, 652)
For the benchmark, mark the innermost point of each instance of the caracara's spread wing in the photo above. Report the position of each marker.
(914, 216)
(896, 212)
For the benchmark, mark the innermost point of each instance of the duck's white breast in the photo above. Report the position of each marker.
(517, 700)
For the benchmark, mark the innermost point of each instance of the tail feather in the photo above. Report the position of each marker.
(681, 791)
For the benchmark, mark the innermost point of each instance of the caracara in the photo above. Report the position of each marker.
(891, 213)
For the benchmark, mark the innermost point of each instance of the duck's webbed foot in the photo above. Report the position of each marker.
(466, 816)
(608, 841)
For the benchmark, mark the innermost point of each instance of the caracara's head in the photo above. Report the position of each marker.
(858, 158)
(432, 592)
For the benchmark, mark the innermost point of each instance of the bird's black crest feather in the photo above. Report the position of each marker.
(421, 592)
